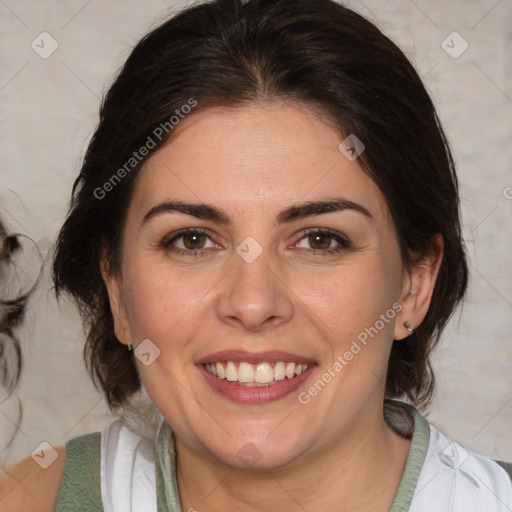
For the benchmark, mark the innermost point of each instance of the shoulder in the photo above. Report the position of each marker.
(457, 475)
(80, 488)
(454, 456)
(28, 485)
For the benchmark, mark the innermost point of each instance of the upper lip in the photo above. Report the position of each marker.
(253, 357)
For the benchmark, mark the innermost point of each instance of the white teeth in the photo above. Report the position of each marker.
(260, 374)
(231, 373)
(220, 370)
(246, 373)
(264, 373)
(279, 371)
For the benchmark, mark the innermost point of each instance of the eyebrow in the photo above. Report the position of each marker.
(290, 214)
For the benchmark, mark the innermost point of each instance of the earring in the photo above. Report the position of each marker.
(130, 348)
(408, 327)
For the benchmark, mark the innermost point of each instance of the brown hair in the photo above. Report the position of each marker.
(12, 310)
(230, 52)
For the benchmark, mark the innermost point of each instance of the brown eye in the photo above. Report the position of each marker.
(319, 241)
(189, 242)
(193, 240)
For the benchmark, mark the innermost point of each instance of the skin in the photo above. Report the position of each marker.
(267, 157)
(27, 486)
(253, 162)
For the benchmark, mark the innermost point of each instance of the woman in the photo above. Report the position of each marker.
(265, 238)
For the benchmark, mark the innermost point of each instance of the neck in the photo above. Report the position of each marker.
(363, 467)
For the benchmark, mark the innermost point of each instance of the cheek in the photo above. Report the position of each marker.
(163, 303)
(350, 298)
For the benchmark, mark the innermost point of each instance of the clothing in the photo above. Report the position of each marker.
(119, 471)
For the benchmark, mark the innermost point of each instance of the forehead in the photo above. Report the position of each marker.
(255, 159)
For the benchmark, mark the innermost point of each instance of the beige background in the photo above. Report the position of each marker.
(49, 108)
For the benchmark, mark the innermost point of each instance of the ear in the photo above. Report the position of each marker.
(117, 305)
(418, 287)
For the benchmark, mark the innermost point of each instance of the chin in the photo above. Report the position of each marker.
(256, 452)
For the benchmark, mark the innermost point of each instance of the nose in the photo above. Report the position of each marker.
(254, 296)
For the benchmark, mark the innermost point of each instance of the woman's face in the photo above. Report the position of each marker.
(258, 283)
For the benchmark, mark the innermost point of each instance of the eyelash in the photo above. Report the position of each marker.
(342, 241)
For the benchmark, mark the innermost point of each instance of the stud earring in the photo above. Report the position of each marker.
(130, 347)
(409, 328)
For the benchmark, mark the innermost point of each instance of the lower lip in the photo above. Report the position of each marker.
(255, 394)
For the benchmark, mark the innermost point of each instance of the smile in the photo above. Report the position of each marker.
(261, 374)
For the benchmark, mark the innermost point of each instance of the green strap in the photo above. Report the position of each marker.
(414, 463)
(80, 488)
(168, 498)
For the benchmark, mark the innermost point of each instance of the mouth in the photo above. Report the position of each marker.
(255, 378)
(243, 373)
